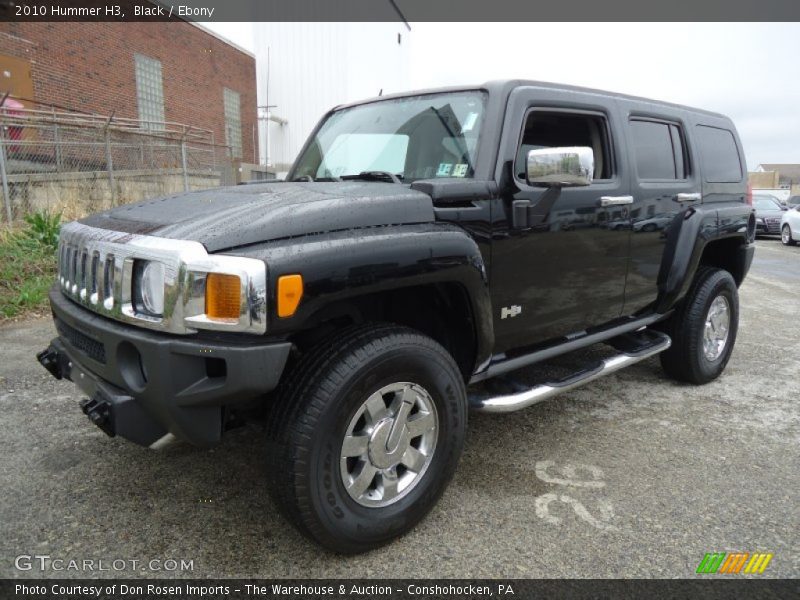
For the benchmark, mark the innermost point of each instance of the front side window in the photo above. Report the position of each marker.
(149, 92)
(233, 121)
(416, 137)
(546, 129)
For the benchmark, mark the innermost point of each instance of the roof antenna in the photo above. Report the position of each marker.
(380, 93)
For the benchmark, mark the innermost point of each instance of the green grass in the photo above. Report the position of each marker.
(27, 270)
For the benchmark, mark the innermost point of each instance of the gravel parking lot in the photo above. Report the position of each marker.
(631, 476)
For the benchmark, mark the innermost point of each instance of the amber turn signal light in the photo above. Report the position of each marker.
(223, 296)
(290, 291)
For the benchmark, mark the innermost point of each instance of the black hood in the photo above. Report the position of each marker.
(223, 218)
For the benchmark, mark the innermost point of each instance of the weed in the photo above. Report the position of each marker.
(44, 227)
(28, 265)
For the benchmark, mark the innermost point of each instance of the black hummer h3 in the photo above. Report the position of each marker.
(421, 243)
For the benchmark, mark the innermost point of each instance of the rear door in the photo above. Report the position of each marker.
(724, 171)
(664, 183)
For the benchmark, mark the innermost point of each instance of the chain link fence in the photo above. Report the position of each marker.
(77, 164)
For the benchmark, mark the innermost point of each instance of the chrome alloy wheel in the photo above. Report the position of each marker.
(786, 235)
(717, 328)
(389, 444)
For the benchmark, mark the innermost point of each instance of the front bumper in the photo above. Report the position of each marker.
(143, 385)
(768, 227)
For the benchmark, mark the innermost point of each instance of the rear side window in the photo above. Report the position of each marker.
(720, 155)
(659, 150)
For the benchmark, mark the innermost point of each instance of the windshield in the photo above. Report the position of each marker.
(416, 137)
(766, 203)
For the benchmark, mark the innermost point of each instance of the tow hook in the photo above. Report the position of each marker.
(99, 413)
(49, 360)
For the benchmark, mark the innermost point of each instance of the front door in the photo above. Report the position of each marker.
(563, 272)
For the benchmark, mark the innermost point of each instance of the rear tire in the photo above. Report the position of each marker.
(786, 236)
(700, 348)
(335, 456)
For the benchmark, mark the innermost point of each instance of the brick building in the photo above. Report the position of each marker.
(177, 72)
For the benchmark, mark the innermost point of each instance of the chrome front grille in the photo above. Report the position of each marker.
(86, 273)
(96, 266)
(772, 224)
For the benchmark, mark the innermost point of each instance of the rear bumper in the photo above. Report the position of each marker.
(143, 385)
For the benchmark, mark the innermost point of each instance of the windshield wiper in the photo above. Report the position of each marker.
(376, 176)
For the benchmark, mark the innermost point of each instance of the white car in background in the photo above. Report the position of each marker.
(790, 226)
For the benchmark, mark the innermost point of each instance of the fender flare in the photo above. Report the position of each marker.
(346, 265)
(688, 236)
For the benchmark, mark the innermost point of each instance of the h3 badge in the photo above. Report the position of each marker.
(510, 311)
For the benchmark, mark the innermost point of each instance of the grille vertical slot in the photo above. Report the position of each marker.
(93, 285)
(82, 276)
(61, 250)
(108, 281)
(65, 263)
(73, 270)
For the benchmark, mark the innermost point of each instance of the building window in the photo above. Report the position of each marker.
(149, 92)
(233, 121)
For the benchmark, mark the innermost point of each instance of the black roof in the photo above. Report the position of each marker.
(506, 85)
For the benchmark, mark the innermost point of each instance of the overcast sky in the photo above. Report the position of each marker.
(747, 71)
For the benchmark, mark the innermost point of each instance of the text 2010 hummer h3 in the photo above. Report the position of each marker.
(422, 243)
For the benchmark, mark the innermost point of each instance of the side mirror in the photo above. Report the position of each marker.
(568, 166)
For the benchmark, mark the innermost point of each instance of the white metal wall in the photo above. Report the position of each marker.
(315, 66)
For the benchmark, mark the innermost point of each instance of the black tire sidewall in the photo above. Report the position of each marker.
(718, 283)
(351, 525)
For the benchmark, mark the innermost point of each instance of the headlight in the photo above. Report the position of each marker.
(760, 220)
(149, 286)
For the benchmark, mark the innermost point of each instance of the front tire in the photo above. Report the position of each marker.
(703, 328)
(786, 236)
(365, 436)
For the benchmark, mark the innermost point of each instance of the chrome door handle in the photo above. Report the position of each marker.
(689, 197)
(615, 200)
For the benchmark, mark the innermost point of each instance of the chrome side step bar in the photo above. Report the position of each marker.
(634, 348)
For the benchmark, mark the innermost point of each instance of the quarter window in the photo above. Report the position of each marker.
(546, 129)
(720, 155)
(149, 92)
(233, 121)
(659, 150)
